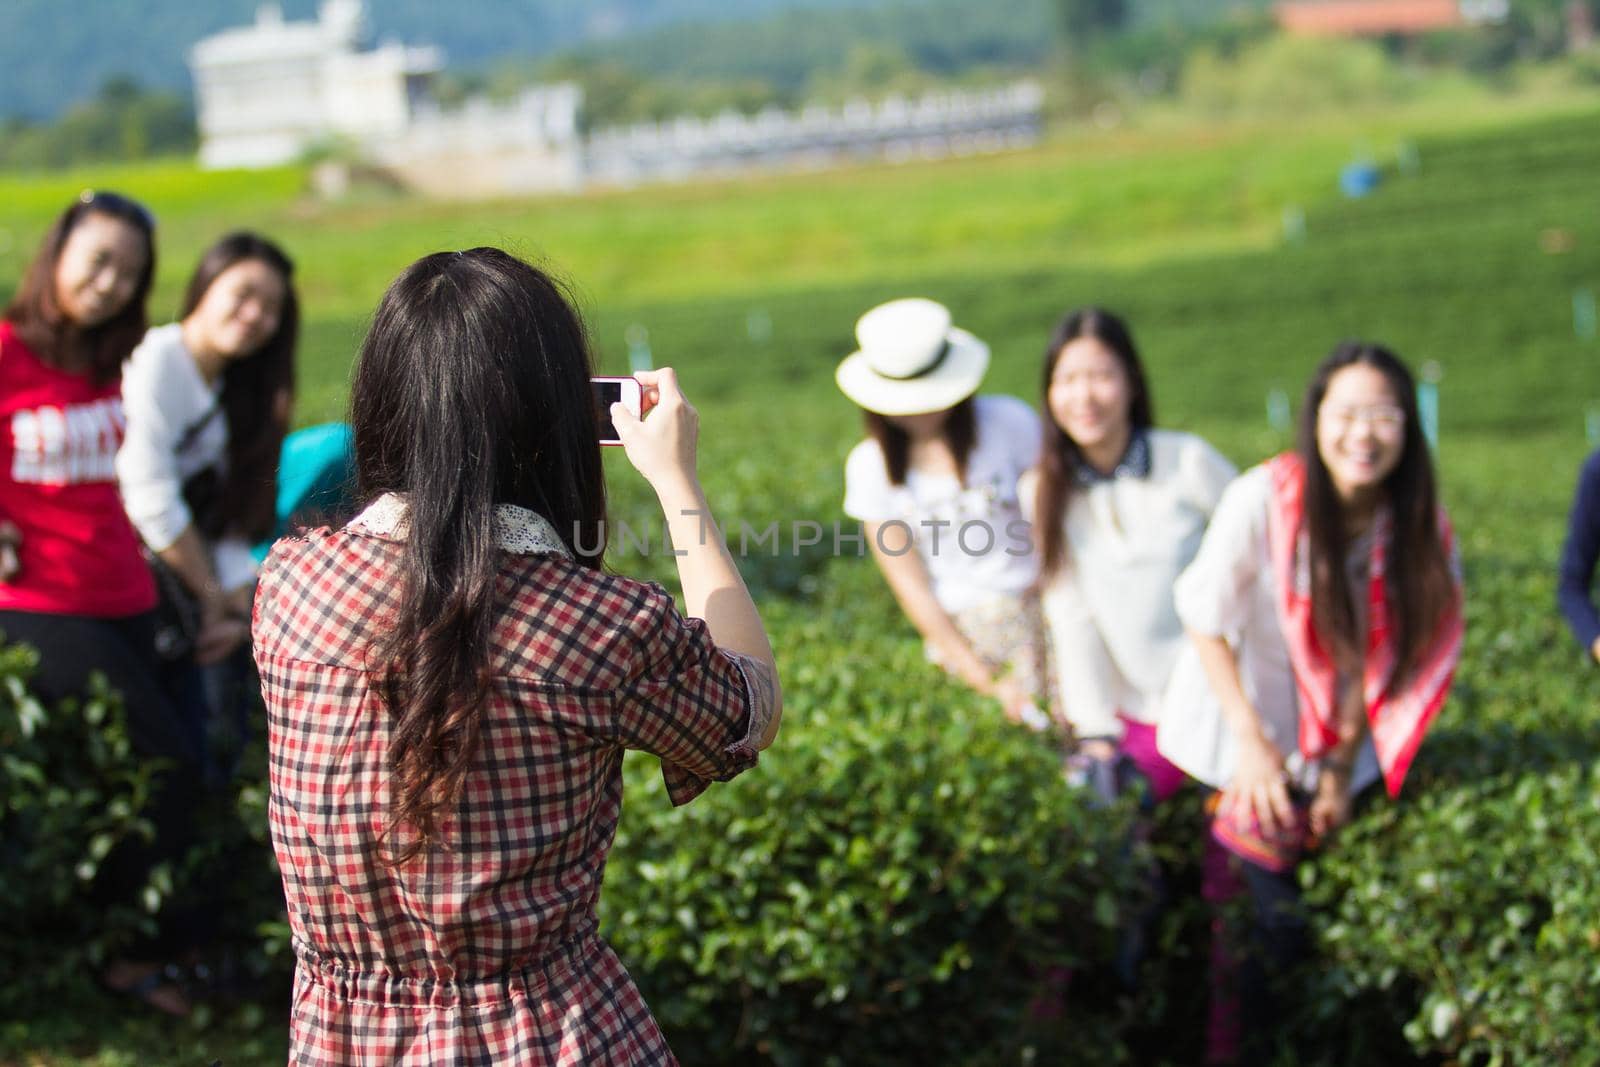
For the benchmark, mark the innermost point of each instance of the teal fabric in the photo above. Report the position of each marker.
(315, 478)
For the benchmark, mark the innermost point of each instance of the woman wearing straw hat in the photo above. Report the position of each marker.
(935, 487)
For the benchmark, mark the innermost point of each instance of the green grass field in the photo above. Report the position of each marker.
(1177, 227)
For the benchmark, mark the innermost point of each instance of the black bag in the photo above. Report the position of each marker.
(178, 609)
(177, 613)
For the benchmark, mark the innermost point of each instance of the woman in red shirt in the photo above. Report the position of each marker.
(451, 680)
(72, 581)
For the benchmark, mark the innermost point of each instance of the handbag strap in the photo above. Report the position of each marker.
(198, 427)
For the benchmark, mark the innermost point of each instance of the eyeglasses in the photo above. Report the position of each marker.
(1381, 417)
(117, 204)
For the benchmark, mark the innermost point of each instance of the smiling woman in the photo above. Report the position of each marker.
(72, 583)
(1118, 509)
(99, 269)
(1325, 620)
(208, 401)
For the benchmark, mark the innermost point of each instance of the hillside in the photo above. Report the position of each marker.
(53, 54)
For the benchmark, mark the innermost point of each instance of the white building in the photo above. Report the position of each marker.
(485, 148)
(268, 93)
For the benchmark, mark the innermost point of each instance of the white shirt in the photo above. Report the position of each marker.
(1113, 626)
(1230, 591)
(164, 395)
(972, 538)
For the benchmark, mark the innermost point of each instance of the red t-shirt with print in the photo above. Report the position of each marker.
(59, 434)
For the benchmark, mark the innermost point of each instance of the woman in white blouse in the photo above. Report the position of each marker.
(1118, 509)
(935, 486)
(207, 401)
(1324, 611)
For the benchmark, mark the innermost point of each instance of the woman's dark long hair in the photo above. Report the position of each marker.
(471, 390)
(39, 318)
(1060, 455)
(960, 433)
(1418, 580)
(256, 393)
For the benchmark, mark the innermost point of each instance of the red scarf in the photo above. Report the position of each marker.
(1397, 718)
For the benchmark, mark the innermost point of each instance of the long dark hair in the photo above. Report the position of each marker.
(960, 433)
(38, 316)
(256, 390)
(1060, 455)
(471, 390)
(1419, 586)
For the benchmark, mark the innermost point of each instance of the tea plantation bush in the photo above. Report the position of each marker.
(1478, 902)
(888, 887)
(70, 790)
(1467, 911)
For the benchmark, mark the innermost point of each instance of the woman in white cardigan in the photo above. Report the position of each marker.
(207, 401)
(1119, 508)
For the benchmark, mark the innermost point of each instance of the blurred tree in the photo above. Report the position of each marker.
(614, 93)
(122, 120)
(1085, 22)
(870, 69)
(1540, 28)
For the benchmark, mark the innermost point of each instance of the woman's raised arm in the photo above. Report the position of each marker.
(662, 447)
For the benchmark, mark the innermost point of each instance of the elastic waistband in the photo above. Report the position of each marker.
(528, 979)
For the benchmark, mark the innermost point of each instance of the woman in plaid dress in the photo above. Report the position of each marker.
(451, 680)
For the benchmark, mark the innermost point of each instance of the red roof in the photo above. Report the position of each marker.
(1348, 18)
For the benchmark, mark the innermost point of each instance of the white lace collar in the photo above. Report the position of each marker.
(516, 530)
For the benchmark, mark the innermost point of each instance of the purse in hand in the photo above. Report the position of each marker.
(177, 608)
(177, 613)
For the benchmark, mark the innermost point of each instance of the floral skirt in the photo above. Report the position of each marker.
(1007, 633)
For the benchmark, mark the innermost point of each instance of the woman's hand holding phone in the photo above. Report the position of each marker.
(661, 442)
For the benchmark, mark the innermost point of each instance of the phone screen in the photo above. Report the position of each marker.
(606, 394)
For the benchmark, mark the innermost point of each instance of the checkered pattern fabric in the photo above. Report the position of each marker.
(484, 951)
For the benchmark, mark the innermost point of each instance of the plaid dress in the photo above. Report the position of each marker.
(484, 951)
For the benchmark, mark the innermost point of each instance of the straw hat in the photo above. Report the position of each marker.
(911, 360)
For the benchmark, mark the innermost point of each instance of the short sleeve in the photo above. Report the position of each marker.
(868, 496)
(1213, 593)
(1017, 425)
(270, 606)
(1028, 492)
(699, 708)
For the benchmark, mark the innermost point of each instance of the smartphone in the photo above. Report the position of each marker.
(608, 391)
